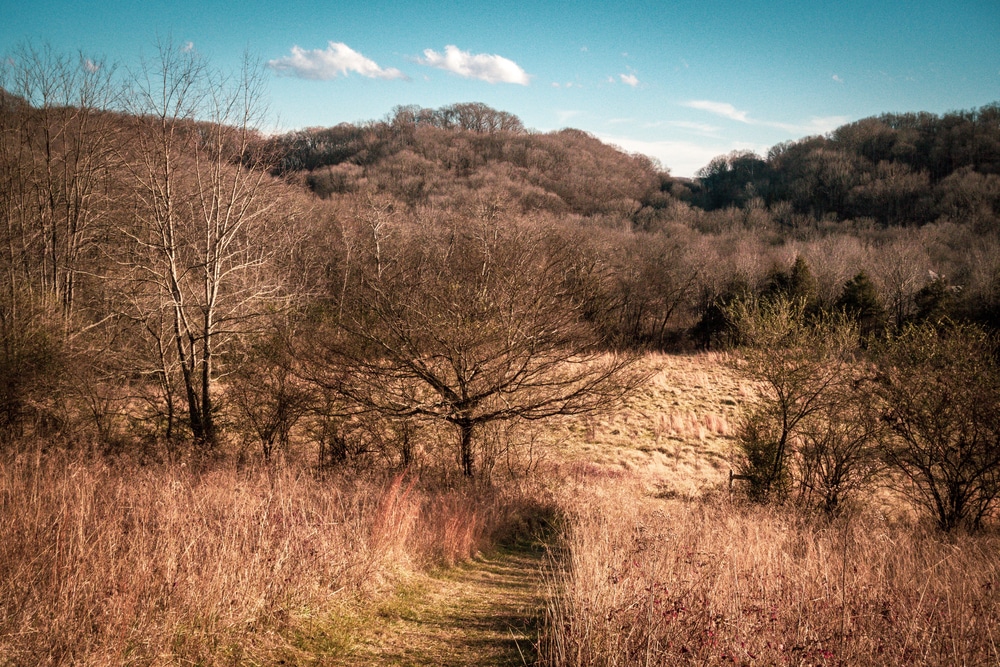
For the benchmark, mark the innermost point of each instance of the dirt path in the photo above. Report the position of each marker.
(484, 612)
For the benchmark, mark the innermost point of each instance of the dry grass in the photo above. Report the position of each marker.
(124, 564)
(676, 431)
(127, 564)
(661, 567)
(651, 581)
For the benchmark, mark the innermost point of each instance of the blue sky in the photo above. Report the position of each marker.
(681, 81)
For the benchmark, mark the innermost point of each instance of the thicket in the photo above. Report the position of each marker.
(837, 417)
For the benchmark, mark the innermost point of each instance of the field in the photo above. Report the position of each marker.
(621, 546)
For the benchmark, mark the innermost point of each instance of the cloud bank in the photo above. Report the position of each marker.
(815, 125)
(337, 59)
(482, 66)
(683, 158)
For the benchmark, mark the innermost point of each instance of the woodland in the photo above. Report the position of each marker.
(156, 244)
(369, 317)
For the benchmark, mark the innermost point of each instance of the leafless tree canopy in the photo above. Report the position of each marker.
(939, 394)
(470, 324)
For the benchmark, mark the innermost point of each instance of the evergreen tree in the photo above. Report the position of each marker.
(859, 301)
(935, 300)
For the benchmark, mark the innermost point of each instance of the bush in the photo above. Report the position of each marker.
(939, 394)
(802, 369)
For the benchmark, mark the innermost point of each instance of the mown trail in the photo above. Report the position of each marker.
(484, 612)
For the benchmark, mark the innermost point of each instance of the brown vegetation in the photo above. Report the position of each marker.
(676, 582)
(113, 563)
(234, 370)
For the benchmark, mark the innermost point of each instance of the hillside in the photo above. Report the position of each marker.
(892, 170)
(452, 155)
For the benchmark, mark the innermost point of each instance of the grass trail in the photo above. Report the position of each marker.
(483, 612)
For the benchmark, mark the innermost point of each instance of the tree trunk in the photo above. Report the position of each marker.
(465, 426)
(207, 418)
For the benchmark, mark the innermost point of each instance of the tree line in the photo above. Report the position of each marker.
(894, 169)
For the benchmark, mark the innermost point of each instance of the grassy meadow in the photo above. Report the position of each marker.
(650, 559)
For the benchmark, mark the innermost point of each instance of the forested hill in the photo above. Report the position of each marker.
(894, 169)
(445, 156)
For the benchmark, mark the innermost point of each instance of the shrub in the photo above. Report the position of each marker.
(802, 369)
(939, 394)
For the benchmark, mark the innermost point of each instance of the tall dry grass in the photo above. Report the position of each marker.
(651, 581)
(122, 564)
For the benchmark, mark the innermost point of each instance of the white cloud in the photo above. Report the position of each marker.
(815, 125)
(629, 79)
(188, 47)
(90, 65)
(565, 116)
(486, 67)
(703, 129)
(723, 109)
(837, 78)
(700, 128)
(683, 158)
(337, 59)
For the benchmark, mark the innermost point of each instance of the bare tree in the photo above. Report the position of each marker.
(900, 268)
(838, 456)
(266, 393)
(57, 140)
(201, 246)
(468, 324)
(57, 189)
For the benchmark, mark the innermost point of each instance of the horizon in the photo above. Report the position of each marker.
(682, 84)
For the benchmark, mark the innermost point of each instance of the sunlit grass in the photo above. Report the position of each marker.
(118, 564)
(676, 581)
(675, 431)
